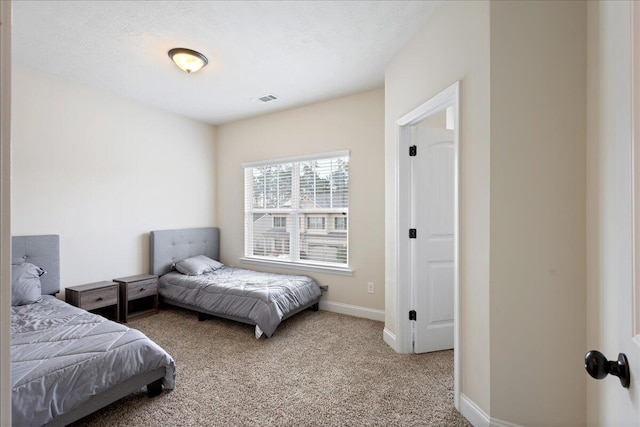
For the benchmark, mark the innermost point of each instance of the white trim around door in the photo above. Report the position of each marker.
(447, 99)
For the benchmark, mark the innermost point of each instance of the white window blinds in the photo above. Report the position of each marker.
(297, 210)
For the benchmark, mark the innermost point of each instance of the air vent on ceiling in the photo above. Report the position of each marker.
(266, 98)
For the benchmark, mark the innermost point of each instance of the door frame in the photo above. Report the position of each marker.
(450, 97)
(5, 212)
(635, 147)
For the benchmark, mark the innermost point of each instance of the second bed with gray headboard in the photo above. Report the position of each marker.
(189, 280)
(66, 362)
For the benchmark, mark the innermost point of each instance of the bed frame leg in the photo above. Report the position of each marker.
(315, 307)
(155, 388)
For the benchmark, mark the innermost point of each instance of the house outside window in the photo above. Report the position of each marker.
(289, 204)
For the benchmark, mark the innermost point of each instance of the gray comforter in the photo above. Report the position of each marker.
(61, 356)
(262, 299)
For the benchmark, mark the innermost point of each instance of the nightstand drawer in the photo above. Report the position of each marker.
(141, 289)
(100, 297)
(90, 300)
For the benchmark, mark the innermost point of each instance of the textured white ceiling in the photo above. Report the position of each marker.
(301, 51)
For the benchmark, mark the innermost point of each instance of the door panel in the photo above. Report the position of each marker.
(440, 310)
(611, 261)
(432, 214)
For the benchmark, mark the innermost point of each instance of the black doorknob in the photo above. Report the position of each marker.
(599, 367)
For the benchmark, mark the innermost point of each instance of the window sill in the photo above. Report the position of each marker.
(295, 266)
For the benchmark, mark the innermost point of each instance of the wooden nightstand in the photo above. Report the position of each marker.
(100, 298)
(138, 296)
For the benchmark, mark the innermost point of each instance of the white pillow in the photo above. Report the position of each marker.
(25, 284)
(197, 265)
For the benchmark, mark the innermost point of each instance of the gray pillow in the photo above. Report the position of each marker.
(25, 284)
(197, 265)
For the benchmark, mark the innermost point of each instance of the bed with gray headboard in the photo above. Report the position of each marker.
(43, 251)
(66, 362)
(255, 298)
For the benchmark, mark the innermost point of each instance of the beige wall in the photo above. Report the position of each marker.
(353, 123)
(102, 172)
(538, 197)
(453, 46)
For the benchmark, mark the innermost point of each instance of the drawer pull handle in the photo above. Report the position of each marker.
(143, 289)
(99, 299)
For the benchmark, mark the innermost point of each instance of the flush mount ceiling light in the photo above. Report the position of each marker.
(188, 60)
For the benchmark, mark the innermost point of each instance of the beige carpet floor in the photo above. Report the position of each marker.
(318, 369)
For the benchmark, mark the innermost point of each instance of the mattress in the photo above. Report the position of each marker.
(263, 299)
(61, 356)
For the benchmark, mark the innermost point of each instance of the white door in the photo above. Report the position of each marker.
(626, 318)
(432, 250)
(613, 193)
(630, 324)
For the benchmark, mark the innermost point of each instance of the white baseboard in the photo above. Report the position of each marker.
(500, 423)
(473, 412)
(353, 310)
(478, 417)
(390, 339)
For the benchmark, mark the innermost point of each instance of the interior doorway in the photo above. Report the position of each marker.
(427, 234)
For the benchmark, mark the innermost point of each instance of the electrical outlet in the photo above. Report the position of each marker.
(370, 287)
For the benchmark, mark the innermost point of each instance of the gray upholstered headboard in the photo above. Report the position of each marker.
(169, 246)
(43, 251)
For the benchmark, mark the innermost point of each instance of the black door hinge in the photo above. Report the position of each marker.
(413, 233)
(412, 315)
(413, 150)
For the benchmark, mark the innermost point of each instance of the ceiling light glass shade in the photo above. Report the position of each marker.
(188, 60)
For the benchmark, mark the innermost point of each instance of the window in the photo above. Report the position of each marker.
(288, 205)
(279, 222)
(340, 223)
(315, 223)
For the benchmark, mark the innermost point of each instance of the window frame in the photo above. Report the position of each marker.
(313, 219)
(342, 227)
(295, 212)
(280, 217)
